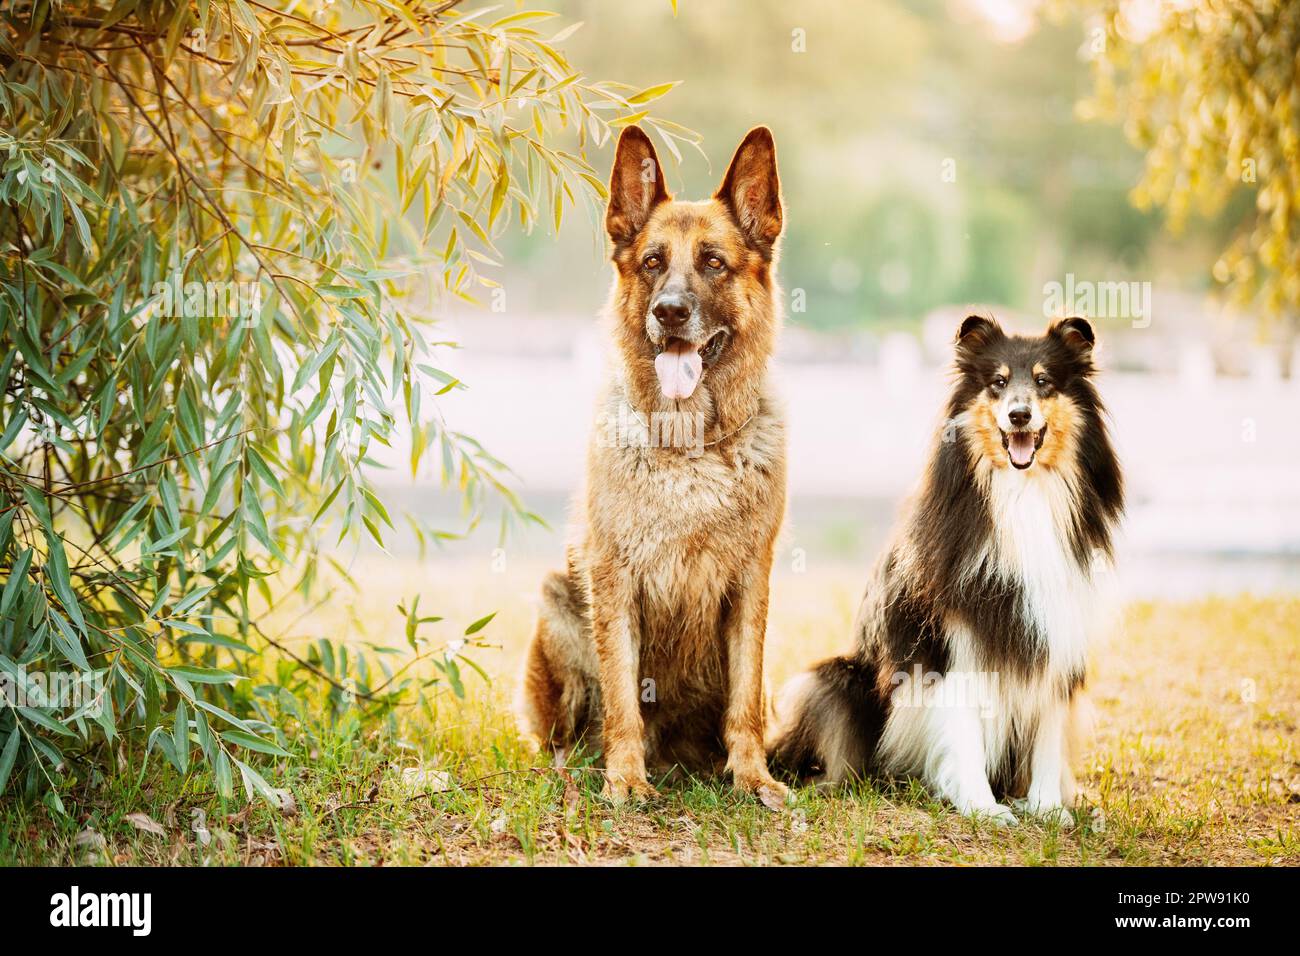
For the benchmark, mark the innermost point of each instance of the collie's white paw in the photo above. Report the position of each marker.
(1046, 812)
(1058, 815)
(996, 814)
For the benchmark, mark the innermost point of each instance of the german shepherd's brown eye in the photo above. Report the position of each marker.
(713, 262)
(651, 262)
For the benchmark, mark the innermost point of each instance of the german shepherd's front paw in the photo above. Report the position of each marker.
(619, 787)
(773, 795)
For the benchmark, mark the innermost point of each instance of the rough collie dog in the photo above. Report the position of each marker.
(971, 640)
(650, 644)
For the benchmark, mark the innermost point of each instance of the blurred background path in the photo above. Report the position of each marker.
(1212, 461)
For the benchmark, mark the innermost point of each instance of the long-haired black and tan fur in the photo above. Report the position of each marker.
(971, 639)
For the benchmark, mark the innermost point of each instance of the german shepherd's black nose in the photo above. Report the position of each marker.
(671, 310)
(1020, 416)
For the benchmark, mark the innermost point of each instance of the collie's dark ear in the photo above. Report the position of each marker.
(752, 190)
(976, 332)
(636, 185)
(1076, 333)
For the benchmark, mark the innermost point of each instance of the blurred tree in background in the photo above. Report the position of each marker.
(1210, 90)
(926, 161)
(224, 229)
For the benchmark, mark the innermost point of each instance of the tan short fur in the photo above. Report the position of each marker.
(649, 645)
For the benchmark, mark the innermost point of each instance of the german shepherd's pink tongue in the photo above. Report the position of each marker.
(679, 368)
(1021, 447)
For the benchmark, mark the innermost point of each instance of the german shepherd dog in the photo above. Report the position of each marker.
(650, 644)
(971, 640)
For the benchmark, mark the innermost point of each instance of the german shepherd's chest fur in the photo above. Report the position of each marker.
(682, 526)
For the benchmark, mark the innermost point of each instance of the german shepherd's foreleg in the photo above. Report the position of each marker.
(614, 629)
(745, 628)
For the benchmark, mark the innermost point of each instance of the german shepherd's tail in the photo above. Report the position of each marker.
(828, 721)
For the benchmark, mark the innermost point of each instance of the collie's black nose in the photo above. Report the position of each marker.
(1020, 416)
(671, 310)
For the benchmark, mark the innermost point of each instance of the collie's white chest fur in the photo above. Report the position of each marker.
(1032, 522)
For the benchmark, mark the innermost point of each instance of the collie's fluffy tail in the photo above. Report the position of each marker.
(828, 722)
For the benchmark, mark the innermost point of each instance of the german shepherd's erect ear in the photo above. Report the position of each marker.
(636, 185)
(752, 191)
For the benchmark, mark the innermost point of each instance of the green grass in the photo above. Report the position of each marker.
(1195, 762)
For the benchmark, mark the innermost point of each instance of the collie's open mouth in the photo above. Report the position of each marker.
(680, 364)
(1021, 446)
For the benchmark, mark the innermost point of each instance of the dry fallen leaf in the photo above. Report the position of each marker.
(91, 839)
(145, 823)
(773, 799)
(288, 805)
(429, 781)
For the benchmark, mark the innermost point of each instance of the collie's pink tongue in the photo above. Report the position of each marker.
(1021, 447)
(679, 368)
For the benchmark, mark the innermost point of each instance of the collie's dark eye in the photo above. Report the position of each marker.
(651, 262)
(713, 262)
(1000, 382)
(1041, 381)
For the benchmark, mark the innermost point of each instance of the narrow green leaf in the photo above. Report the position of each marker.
(253, 742)
(7, 757)
(204, 675)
